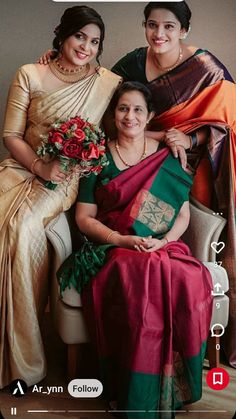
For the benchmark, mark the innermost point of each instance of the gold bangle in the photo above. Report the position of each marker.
(33, 164)
(110, 234)
(165, 238)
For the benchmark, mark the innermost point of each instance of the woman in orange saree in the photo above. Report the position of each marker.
(194, 101)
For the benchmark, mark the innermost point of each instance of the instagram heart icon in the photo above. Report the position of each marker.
(217, 246)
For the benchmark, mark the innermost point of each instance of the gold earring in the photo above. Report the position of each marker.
(184, 36)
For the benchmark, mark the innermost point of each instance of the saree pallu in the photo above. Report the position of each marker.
(149, 313)
(26, 207)
(207, 96)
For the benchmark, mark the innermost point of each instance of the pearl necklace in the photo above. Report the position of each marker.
(124, 161)
(166, 69)
(68, 75)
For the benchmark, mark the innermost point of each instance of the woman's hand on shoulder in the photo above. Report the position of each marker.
(178, 142)
(174, 137)
(46, 57)
(50, 171)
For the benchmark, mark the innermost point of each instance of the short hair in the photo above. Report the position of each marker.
(180, 9)
(73, 19)
(131, 86)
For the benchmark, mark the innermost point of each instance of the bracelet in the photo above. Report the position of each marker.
(165, 238)
(193, 140)
(33, 164)
(110, 234)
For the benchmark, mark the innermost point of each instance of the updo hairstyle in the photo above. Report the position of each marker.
(74, 19)
(179, 9)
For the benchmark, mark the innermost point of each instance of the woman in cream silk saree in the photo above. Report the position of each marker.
(26, 207)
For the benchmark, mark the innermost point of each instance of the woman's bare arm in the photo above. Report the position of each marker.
(25, 155)
(96, 231)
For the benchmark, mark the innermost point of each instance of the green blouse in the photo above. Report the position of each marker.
(88, 184)
(133, 65)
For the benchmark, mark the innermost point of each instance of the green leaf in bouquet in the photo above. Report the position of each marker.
(41, 151)
(59, 146)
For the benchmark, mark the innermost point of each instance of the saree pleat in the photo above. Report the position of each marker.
(26, 207)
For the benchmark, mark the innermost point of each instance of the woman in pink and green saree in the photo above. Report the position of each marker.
(146, 299)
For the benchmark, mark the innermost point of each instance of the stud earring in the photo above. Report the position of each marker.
(184, 36)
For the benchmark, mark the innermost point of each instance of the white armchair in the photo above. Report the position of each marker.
(67, 311)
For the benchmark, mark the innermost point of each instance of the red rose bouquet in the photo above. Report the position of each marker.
(78, 144)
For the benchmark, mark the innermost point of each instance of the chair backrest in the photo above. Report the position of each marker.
(204, 228)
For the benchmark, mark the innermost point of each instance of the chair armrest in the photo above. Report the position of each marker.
(58, 233)
(204, 228)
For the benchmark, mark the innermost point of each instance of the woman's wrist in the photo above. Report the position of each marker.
(165, 240)
(38, 168)
(111, 237)
(193, 140)
(33, 164)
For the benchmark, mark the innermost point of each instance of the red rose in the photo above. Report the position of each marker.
(94, 151)
(79, 135)
(96, 169)
(85, 155)
(80, 123)
(64, 128)
(56, 137)
(71, 149)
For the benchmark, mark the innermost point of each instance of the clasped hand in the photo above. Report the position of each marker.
(141, 244)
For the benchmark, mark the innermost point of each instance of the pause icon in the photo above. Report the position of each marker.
(13, 411)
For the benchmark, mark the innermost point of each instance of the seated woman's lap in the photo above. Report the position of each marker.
(152, 293)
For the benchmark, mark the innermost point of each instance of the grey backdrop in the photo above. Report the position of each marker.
(26, 30)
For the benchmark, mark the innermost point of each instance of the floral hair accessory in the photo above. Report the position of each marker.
(78, 144)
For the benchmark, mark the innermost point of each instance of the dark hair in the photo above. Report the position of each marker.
(72, 21)
(179, 9)
(131, 86)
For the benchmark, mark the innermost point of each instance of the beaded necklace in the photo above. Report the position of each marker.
(124, 161)
(166, 69)
(68, 75)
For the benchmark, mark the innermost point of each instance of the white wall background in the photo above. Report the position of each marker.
(26, 30)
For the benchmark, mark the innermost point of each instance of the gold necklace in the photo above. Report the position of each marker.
(66, 75)
(124, 161)
(166, 69)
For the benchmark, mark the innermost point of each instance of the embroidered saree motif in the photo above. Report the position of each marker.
(150, 210)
